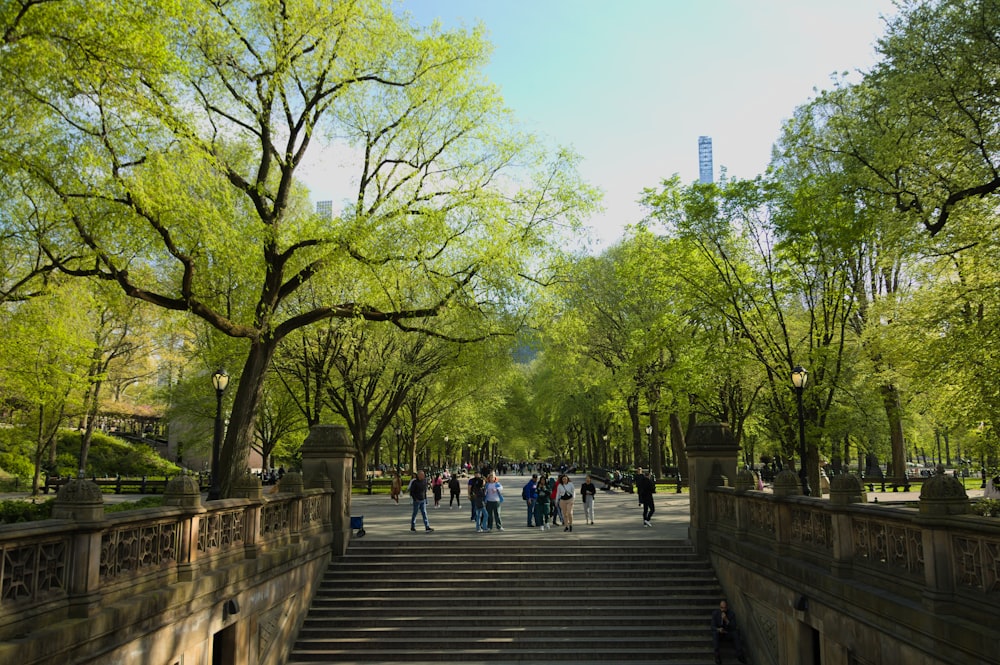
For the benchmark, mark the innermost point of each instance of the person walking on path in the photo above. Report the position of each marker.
(437, 486)
(455, 488)
(476, 479)
(589, 492)
(397, 487)
(417, 490)
(566, 495)
(530, 495)
(477, 497)
(494, 497)
(724, 627)
(645, 488)
(542, 504)
(553, 489)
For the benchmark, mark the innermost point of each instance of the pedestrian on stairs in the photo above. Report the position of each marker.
(417, 489)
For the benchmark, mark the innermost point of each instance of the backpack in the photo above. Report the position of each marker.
(524, 492)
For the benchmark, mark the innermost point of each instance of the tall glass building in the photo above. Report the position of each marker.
(705, 159)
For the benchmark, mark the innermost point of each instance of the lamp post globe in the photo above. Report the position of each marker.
(799, 378)
(220, 381)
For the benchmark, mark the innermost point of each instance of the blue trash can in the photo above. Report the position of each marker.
(359, 524)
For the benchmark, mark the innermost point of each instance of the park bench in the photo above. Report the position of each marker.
(607, 477)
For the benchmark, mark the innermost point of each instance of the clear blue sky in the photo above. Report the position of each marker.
(632, 84)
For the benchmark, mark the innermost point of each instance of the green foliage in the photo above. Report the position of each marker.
(16, 510)
(144, 502)
(987, 507)
(108, 456)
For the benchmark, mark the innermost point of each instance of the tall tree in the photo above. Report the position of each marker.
(171, 135)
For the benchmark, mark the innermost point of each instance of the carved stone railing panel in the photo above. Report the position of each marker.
(761, 516)
(314, 509)
(724, 508)
(977, 563)
(33, 571)
(275, 519)
(135, 548)
(896, 546)
(221, 531)
(812, 528)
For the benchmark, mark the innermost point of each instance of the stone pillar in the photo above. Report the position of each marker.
(328, 461)
(81, 500)
(711, 453)
(184, 492)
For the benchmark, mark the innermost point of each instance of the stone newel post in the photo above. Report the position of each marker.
(711, 452)
(328, 461)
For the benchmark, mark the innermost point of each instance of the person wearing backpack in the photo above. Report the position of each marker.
(417, 489)
(530, 495)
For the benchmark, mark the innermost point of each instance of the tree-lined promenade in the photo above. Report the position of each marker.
(155, 228)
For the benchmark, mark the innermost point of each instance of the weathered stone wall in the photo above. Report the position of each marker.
(843, 582)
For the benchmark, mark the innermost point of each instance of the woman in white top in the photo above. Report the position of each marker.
(494, 497)
(566, 493)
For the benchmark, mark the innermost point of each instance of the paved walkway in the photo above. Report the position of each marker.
(617, 515)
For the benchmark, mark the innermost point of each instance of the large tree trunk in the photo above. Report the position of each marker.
(88, 433)
(677, 444)
(632, 402)
(894, 413)
(239, 436)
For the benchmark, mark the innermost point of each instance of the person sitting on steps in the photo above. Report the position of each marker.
(723, 627)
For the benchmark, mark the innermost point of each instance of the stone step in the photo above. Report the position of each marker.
(408, 602)
(433, 631)
(555, 651)
(702, 602)
(681, 621)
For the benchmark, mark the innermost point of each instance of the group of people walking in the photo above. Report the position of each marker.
(549, 500)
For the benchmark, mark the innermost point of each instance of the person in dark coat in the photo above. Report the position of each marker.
(724, 627)
(645, 488)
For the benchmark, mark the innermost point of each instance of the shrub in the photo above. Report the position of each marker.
(987, 507)
(16, 510)
(144, 502)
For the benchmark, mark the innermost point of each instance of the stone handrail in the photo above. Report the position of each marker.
(62, 568)
(948, 562)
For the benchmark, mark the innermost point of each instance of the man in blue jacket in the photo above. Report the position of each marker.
(530, 495)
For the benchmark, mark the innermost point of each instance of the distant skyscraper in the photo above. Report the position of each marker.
(705, 159)
(324, 209)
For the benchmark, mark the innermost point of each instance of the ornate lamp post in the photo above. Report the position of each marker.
(220, 380)
(799, 376)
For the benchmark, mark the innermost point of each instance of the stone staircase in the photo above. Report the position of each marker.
(493, 601)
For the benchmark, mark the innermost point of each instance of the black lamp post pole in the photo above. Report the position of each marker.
(220, 380)
(803, 469)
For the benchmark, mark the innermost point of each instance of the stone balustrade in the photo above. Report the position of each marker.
(863, 582)
(66, 568)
